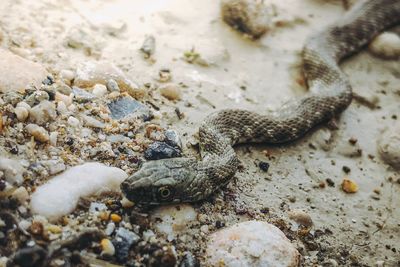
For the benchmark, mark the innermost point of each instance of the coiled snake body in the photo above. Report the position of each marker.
(188, 180)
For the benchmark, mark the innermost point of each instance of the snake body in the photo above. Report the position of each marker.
(188, 180)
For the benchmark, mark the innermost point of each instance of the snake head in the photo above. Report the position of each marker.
(161, 182)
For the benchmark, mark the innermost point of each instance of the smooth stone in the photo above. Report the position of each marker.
(388, 146)
(161, 150)
(127, 106)
(82, 96)
(386, 45)
(251, 243)
(42, 113)
(248, 16)
(39, 133)
(60, 195)
(123, 241)
(17, 73)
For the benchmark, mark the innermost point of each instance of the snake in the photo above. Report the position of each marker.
(176, 180)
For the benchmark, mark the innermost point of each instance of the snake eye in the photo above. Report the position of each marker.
(164, 192)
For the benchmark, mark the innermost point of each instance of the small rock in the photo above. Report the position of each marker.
(248, 16)
(264, 166)
(37, 97)
(74, 122)
(148, 46)
(60, 195)
(109, 228)
(148, 234)
(189, 260)
(123, 241)
(54, 166)
(171, 92)
(12, 170)
(30, 257)
(43, 113)
(64, 89)
(53, 138)
(127, 106)
(21, 194)
(17, 73)
(67, 76)
(82, 96)
(66, 99)
(172, 138)
(112, 86)
(161, 150)
(39, 133)
(92, 122)
(349, 186)
(251, 243)
(323, 138)
(301, 217)
(386, 45)
(107, 247)
(100, 72)
(21, 113)
(388, 146)
(99, 90)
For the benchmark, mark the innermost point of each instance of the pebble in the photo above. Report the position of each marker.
(115, 218)
(12, 170)
(189, 260)
(172, 220)
(251, 243)
(122, 242)
(301, 217)
(112, 86)
(66, 99)
(54, 166)
(74, 122)
(92, 122)
(109, 228)
(99, 90)
(17, 73)
(64, 89)
(100, 72)
(22, 113)
(149, 46)
(21, 194)
(107, 247)
(67, 76)
(127, 106)
(386, 45)
(170, 92)
(36, 97)
(388, 146)
(264, 166)
(39, 133)
(42, 113)
(248, 16)
(172, 138)
(60, 195)
(161, 150)
(29, 257)
(349, 186)
(53, 138)
(82, 96)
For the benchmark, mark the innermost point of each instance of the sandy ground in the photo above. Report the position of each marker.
(362, 227)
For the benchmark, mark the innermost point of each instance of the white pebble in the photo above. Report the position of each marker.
(74, 122)
(24, 105)
(12, 170)
(22, 113)
(386, 45)
(53, 138)
(67, 76)
(60, 195)
(251, 243)
(39, 133)
(171, 92)
(42, 113)
(388, 146)
(99, 90)
(110, 228)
